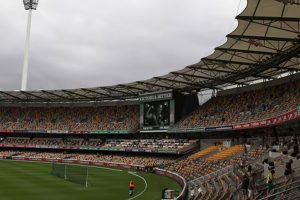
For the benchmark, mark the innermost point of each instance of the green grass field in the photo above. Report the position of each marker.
(33, 181)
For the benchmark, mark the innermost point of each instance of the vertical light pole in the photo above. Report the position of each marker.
(29, 5)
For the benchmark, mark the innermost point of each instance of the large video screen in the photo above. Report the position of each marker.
(157, 114)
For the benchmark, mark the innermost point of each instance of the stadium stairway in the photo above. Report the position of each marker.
(280, 187)
(288, 192)
(225, 187)
(226, 153)
(220, 188)
(218, 183)
(205, 152)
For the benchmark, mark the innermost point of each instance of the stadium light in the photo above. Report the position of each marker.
(29, 5)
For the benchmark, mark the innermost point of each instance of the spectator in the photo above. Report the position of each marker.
(288, 173)
(270, 179)
(65, 119)
(271, 165)
(249, 170)
(245, 107)
(252, 186)
(245, 187)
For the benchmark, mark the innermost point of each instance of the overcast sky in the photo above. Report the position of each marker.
(88, 43)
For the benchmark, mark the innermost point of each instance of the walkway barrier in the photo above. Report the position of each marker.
(176, 177)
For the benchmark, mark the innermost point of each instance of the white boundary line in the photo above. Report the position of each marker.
(146, 185)
(112, 169)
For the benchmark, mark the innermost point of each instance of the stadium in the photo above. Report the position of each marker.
(239, 141)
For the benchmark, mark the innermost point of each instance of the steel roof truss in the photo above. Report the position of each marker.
(193, 75)
(226, 61)
(264, 38)
(198, 68)
(239, 56)
(96, 92)
(175, 81)
(13, 96)
(53, 94)
(119, 91)
(269, 23)
(135, 88)
(30, 94)
(264, 18)
(76, 94)
(154, 84)
(244, 51)
(262, 44)
(201, 77)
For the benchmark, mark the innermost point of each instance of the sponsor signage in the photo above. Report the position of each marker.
(186, 130)
(67, 132)
(6, 131)
(18, 158)
(109, 132)
(29, 131)
(156, 96)
(57, 131)
(92, 148)
(270, 121)
(149, 128)
(218, 128)
(79, 132)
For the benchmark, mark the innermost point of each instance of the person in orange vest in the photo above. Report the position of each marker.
(131, 188)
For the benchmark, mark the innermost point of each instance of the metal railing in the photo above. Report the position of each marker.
(176, 177)
(213, 174)
(286, 190)
(279, 180)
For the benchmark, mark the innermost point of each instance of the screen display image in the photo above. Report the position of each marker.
(157, 113)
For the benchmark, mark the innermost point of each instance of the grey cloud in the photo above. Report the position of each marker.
(104, 42)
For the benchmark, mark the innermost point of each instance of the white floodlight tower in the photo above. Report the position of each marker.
(29, 5)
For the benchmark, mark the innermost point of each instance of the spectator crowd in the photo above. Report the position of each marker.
(149, 161)
(221, 110)
(245, 107)
(147, 145)
(69, 118)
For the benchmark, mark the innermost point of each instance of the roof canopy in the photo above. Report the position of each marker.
(265, 44)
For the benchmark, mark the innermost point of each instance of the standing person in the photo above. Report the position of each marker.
(237, 181)
(245, 149)
(131, 188)
(245, 186)
(270, 178)
(252, 186)
(288, 171)
(249, 170)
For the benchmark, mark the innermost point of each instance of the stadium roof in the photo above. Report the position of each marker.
(265, 44)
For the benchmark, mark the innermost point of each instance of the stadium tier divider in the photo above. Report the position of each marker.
(74, 173)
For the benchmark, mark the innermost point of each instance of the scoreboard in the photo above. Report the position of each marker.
(156, 111)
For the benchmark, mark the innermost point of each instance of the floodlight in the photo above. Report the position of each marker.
(30, 4)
